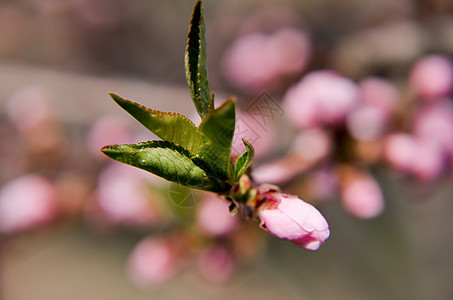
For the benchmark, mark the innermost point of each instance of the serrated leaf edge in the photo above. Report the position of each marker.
(115, 96)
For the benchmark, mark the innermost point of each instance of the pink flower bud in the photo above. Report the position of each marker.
(362, 196)
(26, 203)
(213, 217)
(432, 77)
(216, 264)
(153, 262)
(290, 218)
(321, 97)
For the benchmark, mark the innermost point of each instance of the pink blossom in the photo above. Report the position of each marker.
(321, 184)
(216, 264)
(278, 171)
(290, 218)
(26, 203)
(379, 93)
(362, 196)
(213, 217)
(432, 76)
(123, 196)
(399, 150)
(29, 107)
(419, 157)
(153, 262)
(258, 61)
(429, 160)
(321, 97)
(367, 123)
(31, 111)
(435, 123)
(312, 145)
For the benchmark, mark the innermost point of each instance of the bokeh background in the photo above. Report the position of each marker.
(60, 59)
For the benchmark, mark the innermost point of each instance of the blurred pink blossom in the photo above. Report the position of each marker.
(257, 61)
(429, 160)
(399, 150)
(26, 203)
(213, 216)
(309, 148)
(362, 196)
(278, 171)
(122, 194)
(321, 97)
(434, 122)
(31, 111)
(415, 156)
(153, 262)
(216, 264)
(379, 93)
(29, 107)
(321, 184)
(108, 130)
(367, 123)
(290, 218)
(312, 145)
(432, 76)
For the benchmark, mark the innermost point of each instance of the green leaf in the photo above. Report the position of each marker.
(245, 160)
(171, 127)
(166, 160)
(195, 63)
(218, 127)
